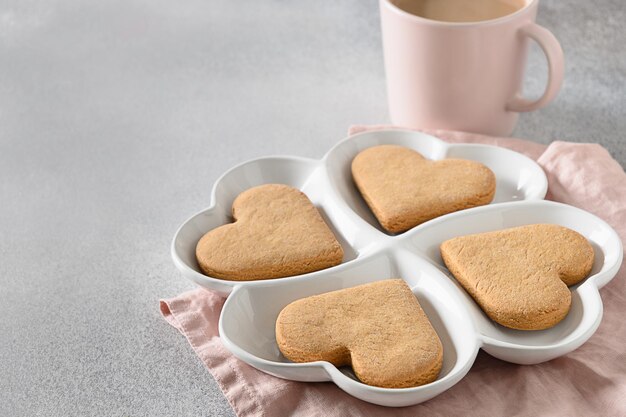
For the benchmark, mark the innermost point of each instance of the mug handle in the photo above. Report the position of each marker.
(552, 49)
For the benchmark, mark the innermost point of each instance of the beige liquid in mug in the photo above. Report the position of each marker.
(460, 10)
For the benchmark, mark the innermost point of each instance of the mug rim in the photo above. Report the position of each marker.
(420, 19)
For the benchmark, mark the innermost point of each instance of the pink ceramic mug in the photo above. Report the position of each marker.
(463, 76)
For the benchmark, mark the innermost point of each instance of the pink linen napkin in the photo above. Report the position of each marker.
(588, 381)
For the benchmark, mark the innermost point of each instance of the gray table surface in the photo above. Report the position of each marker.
(116, 118)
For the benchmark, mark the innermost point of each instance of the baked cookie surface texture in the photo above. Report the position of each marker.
(520, 276)
(378, 328)
(403, 189)
(277, 232)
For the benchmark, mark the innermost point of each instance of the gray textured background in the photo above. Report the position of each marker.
(115, 119)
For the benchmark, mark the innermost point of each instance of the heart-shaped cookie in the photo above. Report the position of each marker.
(378, 328)
(403, 189)
(519, 276)
(277, 233)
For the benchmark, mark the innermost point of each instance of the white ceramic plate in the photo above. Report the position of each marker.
(249, 315)
(328, 183)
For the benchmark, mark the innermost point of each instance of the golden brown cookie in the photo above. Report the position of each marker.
(378, 328)
(519, 276)
(277, 233)
(403, 189)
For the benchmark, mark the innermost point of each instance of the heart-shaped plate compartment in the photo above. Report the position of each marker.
(517, 177)
(328, 184)
(248, 319)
